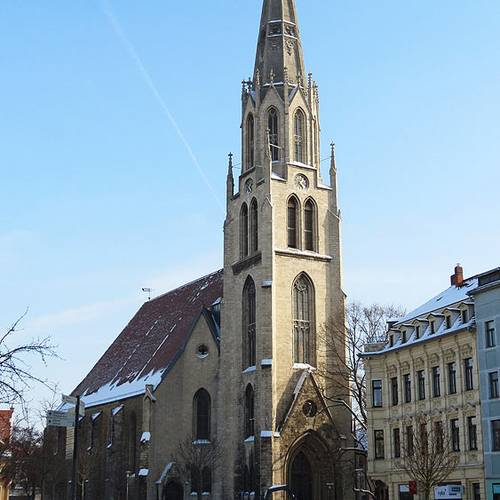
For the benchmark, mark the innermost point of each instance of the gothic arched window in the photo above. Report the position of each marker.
(201, 421)
(244, 231)
(250, 142)
(249, 313)
(206, 479)
(254, 227)
(303, 320)
(274, 138)
(300, 139)
(310, 225)
(293, 222)
(249, 412)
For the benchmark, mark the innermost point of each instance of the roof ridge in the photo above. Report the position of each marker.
(180, 287)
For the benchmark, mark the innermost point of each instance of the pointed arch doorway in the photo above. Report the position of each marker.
(173, 491)
(301, 477)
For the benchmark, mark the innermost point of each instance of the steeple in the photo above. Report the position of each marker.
(279, 49)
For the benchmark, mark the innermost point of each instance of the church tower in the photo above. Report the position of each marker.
(282, 284)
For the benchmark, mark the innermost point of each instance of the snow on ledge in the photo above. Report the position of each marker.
(146, 437)
(266, 362)
(143, 472)
(250, 369)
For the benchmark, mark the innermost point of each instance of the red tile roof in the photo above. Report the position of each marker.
(151, 342)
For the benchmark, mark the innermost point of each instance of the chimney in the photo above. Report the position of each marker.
(457, 279)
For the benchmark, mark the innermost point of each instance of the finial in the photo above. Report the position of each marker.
(333, 157)
(243, 86)
(309, 80)
(271, 76)
(230, 155)
(257, 78)
(268, 145)
(285, 75)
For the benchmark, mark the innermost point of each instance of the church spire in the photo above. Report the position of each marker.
(279, 44)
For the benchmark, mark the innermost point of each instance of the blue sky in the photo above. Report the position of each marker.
(100, 195)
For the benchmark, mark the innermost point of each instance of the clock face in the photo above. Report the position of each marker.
(310, 409)
(249, 186)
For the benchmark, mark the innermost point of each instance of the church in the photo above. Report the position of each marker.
(216, 389)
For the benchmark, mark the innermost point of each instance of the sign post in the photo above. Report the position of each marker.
(75, 451)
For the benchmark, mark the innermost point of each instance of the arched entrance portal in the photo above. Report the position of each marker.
(173, 491)
(301, 477)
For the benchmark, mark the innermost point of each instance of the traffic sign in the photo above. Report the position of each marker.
(60, 419)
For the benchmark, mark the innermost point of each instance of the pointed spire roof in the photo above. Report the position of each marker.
(279, 48)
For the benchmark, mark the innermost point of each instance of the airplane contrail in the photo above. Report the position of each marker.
(130, 48)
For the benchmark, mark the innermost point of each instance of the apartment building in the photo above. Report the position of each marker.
(427, 374)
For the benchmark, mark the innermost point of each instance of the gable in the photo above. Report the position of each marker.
(151, 343)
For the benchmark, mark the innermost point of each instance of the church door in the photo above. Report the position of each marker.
(173, 491)
(301, 478)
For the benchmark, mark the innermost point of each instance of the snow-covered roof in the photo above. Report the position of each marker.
(150, 344)
(448, 300)
(449, 297)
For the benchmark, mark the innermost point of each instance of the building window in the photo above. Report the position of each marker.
(417, 332)
(439, 435)
(244, 231)
(299, 136)
(472, 432)
(465, 316)
(391, 340)
(490, 334)
(254, 226)
(274, 139)
(476, 491)
(409, 440)
(195, 479)
(452, 378)
(397, 442)
(379, 445)
(249, 327)
(403, 337)
(250, 143)
(436, 381)
(202, 404)
(455, 435)
(377, 393)
(495, 435)
(494, 392)
(424, 439)
(206, 480)
(394, 391)
(433, 327)
(309, 225)
(249, 412)
(448, 322)
(421, 385)
(111, 430)
(407, 385)
(293, 206)
(303, 318)
(469, 378)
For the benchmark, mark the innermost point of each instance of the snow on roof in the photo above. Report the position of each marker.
(150, 344)
(449, 297)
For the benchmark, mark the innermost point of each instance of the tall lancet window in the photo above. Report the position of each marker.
(244, 231)
(293, 222)
(310, 226)
(249, 313)
(250, 142)
(201, 414)
(274, 139)
(303, 320)
(300, 143)
(249, 412)
(254, 226)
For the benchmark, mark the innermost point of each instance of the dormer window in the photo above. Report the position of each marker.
(465, 316)
(448, 322)
(433, 327)
(417, 331)
(391, 340)
(403, 337)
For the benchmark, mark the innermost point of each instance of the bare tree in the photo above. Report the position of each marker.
(16, 376)
(196, 463)
(344, 339)
(345, 342)
(427, 454)
(23, 462)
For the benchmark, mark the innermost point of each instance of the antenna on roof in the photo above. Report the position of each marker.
(148, 291)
